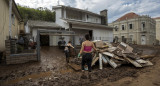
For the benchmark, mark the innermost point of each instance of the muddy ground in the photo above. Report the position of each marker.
(54, 71)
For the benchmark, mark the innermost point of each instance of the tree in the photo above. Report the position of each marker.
(36, 14)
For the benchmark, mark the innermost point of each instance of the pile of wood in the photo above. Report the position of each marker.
(116, 56)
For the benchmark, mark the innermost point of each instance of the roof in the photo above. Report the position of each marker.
(42, 24)
(86, 11)
(87, 24)
(156, 18)
(130, 15)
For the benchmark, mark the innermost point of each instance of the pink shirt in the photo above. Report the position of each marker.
(87, 48)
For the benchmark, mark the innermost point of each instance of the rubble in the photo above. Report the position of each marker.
(118, 55)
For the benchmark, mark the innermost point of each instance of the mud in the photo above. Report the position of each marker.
(53, 70)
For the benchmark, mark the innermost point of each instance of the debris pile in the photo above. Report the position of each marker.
(116, 56)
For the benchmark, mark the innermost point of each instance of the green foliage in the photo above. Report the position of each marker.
(36, 14)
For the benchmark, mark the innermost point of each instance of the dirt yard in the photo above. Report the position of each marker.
(53, 71)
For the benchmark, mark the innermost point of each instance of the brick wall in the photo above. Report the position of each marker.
(17, 58)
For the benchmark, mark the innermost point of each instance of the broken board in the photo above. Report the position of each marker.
(100, 61)
(94, 61)
(111, 62)
(104, 60)
(75, 66)
(144, 63)
(108, 54)
(136, 64)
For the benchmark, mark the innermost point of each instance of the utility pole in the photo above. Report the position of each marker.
(10, 19)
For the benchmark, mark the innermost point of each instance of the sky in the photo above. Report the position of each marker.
(116, 8)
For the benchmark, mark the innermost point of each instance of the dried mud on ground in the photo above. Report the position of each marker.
(53, 71)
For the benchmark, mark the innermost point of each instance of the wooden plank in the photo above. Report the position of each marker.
(100, 61)
(144, 63)
(111, 62)
(104, 60)
(94, 61)
(108, 54)
(136, 64)
(75, 66)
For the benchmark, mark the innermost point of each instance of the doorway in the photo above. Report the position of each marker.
(91, 34)
(143, 40)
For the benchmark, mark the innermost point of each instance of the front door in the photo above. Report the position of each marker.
(143, 40)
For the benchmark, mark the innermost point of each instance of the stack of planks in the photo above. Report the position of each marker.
(116, 56)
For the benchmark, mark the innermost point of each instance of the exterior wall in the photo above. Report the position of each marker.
(4, 25)
(59, 20)
(81, 16)
(134, 35)
(104, 34)
(98, 33)
(158, 29)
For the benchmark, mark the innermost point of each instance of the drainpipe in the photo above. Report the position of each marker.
(10, 19)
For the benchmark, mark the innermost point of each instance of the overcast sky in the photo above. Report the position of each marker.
(116, 8)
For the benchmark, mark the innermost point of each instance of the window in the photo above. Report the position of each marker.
(123, 39)
(13, 19)
(130, 26)
(143, 24)
(116, 28)
(131, 38)
(123, 27)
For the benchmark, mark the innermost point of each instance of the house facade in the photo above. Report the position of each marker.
(135, 29)
(32, 26)
(157, 28)
(83, 22)
(17, 23)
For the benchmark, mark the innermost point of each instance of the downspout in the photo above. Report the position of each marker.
(10, 19)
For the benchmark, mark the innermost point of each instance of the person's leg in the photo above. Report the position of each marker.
(89, 62)
(67, 57)
(83, 62)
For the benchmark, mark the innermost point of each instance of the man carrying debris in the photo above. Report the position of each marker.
(86, 49)
(67, 51)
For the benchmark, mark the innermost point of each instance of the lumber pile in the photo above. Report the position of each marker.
(116, 56)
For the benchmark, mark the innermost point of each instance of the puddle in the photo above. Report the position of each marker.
(64, 71)
(32, 76)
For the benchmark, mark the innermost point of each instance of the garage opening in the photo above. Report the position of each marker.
(44, 40)
(52, 37)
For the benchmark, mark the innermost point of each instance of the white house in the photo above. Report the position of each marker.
(82, 22)
(76, 20)
(32, 26)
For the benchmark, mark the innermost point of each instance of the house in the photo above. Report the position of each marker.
(134, 28)
(16, 18)
(32, 26)
(157, 19)
(82, 22)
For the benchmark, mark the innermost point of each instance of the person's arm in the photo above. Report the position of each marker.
(70, 45)
(82, 48)
(93, 46)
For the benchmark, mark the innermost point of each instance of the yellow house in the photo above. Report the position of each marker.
(17, 23)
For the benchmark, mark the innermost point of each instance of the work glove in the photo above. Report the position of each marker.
(79, 55)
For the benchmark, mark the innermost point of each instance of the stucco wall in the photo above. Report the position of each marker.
(4, 25)
(136, 31)
(158, 29)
